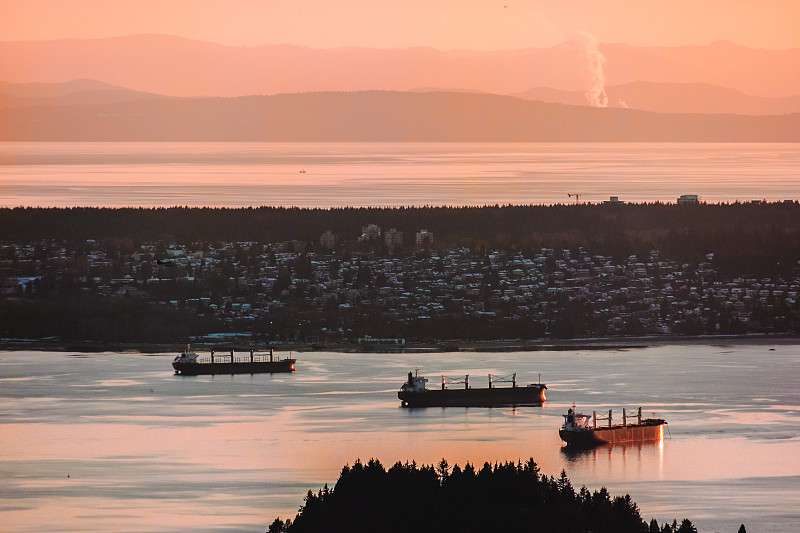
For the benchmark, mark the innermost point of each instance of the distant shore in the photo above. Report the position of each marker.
(512, 345)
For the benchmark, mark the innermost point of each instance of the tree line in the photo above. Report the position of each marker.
(505, 497)
(753, 238)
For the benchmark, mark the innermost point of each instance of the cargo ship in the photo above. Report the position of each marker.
(415, 393)
(190, 364)
(582, 430)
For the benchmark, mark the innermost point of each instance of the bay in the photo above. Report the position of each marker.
(117, 442)
(146, 174)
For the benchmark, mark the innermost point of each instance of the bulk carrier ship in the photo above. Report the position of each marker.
(189, 364)
(582, 430)
(414, 393)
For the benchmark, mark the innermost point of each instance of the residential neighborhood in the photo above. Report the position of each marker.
(295, 291)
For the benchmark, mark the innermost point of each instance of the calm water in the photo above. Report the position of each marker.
(389, 174)
(116, 442)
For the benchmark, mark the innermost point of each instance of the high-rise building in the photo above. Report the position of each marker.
(393, 238)
(370, 232)
(328, 240)
(424, 237)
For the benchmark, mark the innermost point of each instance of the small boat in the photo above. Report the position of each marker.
(582, 430)
(414, 393)
(190, 364)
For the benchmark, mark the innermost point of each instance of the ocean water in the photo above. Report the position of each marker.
(390, 174)
(117, 442)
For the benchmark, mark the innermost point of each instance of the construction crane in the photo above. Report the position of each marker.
(577, 197)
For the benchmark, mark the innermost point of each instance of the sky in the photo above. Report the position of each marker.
(441, 24)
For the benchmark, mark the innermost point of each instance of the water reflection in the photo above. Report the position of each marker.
(575, 454)
(140, 443)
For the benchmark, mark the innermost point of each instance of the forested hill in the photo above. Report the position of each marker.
(378, 116)
(505, 497)
(745, 238)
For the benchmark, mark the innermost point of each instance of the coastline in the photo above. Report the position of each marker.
(512, 345)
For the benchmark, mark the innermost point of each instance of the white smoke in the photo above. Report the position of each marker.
(596, 93)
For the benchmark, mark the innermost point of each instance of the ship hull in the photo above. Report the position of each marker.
(648, 431)
(487, 397)
(244, 367)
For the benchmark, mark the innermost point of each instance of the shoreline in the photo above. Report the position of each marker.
(445, 346)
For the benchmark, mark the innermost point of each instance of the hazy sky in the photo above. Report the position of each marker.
(443, 24)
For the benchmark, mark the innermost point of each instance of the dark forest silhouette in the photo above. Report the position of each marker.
(754, 238)
(502, 497)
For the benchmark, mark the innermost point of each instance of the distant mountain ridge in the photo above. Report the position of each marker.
(377, 116)
(674, 98)
(53, 90)
(657, 97)
(74, 92)
(183, 67)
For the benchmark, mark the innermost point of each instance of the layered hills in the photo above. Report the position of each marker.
(674, 98)
(376, 116)
(177, 66)
(157, 87)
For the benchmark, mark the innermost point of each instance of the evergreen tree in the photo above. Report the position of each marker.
(500, 497)
(278, 526)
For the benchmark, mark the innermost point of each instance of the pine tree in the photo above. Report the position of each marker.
(687, 527)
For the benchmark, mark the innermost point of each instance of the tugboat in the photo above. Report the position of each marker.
(581, 430)
(414, 393)
(189, 364)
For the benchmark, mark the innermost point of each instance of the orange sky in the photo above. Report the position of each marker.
(443, 24)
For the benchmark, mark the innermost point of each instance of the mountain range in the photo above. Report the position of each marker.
(674, 98)
(177, 66)
(157, 87)
(378, 116)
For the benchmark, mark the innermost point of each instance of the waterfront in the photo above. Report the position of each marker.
(108, 441)
(389, 174)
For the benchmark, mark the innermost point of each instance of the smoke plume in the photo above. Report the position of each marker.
(596, 93)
